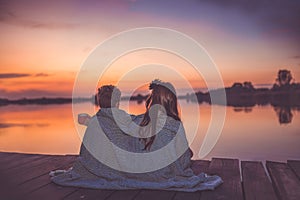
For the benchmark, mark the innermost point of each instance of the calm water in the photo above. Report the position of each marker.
(249, 133)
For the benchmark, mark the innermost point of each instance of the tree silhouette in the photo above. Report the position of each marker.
(248, 85)
(284, 77)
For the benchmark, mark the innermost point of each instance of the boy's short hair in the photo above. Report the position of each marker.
(108, 96)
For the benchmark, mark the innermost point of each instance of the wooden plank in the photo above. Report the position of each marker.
(51, 192)
(42, 180)
(295, 166)
(30, 173)
(155, 194)
(7, 188)
(285, 181)
(255, 182)
(89, 194)
(24, 162)
(3, 154)
(199, 166)
(13, 191)
(228, 170)
(7, 192)
(25, 166)
(123, 194)
(19, 161)
(6, 155)
(187, 195)
(7, 158)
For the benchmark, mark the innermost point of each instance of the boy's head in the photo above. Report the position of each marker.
(108, 96)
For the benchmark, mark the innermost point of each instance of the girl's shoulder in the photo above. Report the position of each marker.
(172, 125)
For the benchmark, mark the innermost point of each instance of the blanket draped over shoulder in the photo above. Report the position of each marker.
(117, 160)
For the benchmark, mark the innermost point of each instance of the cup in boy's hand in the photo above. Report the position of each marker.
(83, 118)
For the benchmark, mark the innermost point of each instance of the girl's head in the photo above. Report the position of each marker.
(163, 94)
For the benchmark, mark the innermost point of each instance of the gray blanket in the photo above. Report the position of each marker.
(117, 159)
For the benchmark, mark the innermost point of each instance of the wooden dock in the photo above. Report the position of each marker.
(25, 176)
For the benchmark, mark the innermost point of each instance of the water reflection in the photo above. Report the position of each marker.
(11, 125)
(50, 129)
(246, 104)
(243, 109)
(38, 129)
(284, 114)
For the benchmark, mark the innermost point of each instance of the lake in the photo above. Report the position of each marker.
(257, 133)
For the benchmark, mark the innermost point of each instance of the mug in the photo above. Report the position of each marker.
(82, 117)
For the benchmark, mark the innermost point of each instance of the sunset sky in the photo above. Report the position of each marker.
(44, 43)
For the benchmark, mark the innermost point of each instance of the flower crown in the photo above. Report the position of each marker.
(157, 82)
(154, 83)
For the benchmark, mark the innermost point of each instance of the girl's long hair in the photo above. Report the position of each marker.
(163, 93)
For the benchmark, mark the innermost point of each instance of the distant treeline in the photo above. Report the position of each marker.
(42, 101)
(283, 93)
(241, 95)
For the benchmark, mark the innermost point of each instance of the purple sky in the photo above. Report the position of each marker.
(248, 40)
